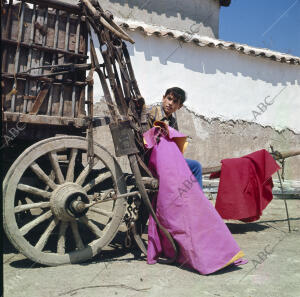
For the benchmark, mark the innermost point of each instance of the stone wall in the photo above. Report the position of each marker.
(213, 140)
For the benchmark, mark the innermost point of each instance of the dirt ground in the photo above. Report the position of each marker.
(273, 268)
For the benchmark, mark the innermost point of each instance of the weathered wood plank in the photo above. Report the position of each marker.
(62, 5)
(29, 57)
(51, 30)
(72, 34)
(14, 18)
(4, 18)
(19, 98)
(27, 24)
(44, 119)
(6, 30)
(61, 31)
(39, 99)
(67, 99)
(38, 37)
(45, 48)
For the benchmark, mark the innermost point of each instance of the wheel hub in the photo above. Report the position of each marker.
(67, 201)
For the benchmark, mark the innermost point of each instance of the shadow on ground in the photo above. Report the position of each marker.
(240, 228)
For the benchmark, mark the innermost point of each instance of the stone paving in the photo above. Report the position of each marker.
(273, 269)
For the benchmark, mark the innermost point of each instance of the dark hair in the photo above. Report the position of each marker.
(177, 93)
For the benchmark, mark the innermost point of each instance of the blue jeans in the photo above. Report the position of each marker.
(196, 169)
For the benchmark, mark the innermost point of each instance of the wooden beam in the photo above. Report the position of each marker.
(44, 119)
(44, 48)
(62, 5)
(285, 154)
(39, 99)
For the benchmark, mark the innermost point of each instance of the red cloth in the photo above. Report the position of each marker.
(245, 187)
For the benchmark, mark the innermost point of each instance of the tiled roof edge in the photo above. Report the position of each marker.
(207, 41)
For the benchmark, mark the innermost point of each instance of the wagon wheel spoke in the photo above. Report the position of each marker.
(34, 191)
(26, 228)
(52, 178)
(42, 175)
(103, 212)
(61, 243)
(28, 206)
(94, 228)
(100, 178)
(44, 238)
(70, 172)
(82, 176)
(78, 240)
(85, 172)
(55, 165)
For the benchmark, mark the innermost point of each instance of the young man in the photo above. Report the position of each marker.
(173, 100)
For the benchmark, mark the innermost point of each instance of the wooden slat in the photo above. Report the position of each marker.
(40, 99)
(76, 52)
(44, 48)
(6, 33)
(66, 47)
(285, 154)
(45, 120)
(55, 42)
(29, 59)
(45, 27)
(17, 57)
(41, 30)
(63, 5)
(25, 76)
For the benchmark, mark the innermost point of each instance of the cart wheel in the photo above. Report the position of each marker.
(44, 226)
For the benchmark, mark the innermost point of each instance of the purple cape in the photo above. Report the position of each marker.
(204, 241)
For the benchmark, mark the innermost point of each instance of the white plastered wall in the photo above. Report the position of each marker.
(219, 83)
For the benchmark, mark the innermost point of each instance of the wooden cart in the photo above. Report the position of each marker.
(64, 195)
(55, 167)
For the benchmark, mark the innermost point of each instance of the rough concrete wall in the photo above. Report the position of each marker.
(214, 140)
(201, 17)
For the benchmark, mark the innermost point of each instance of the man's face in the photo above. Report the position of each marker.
(170, 104)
